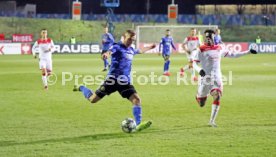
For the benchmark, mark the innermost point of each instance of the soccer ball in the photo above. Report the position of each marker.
(128, 125)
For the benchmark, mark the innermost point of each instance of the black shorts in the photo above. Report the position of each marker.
(104, 51)
(166, 56)
(112, 85)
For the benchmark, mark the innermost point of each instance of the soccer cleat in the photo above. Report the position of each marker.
(46, 87)
(167, 73)
(76, 88)
(212, 124)
(181, 72)
(143, 126)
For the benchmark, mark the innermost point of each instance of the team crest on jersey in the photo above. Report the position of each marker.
(102, 88)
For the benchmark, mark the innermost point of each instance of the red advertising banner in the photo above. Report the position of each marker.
(2, 36)
(236, 46)
(22, 38)
(26, 49)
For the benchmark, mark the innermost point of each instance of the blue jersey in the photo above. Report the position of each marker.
(121, 62)
(217, 39)
(107, 41)
(166, 43)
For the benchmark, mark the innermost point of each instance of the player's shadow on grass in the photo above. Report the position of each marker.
(96, 137)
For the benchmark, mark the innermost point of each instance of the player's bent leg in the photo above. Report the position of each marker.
(201, 101)
(216, 93)
(86, 91)
(137, 109)
(44, 78)
(106, 64)
(94, 98)
(137, 113)
(49, 72)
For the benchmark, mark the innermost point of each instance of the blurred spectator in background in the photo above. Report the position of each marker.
(217, 38)
(73, 40)
(200, 37)
(258, 40)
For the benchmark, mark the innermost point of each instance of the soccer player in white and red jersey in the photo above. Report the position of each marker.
(191, 46)
(209, 57)
(44, 46)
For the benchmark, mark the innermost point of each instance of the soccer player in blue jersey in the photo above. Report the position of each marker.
(166, 43)
(119, 79)
(107, 42)
(217, 38)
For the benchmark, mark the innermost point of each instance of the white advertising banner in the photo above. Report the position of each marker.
(10, 48)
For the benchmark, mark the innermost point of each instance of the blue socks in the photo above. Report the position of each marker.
(167, 65)
(137, 113)
(86, 92)
(105, 63)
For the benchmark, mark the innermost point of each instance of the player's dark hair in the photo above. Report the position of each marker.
(209, 31)
(168, 30)
(43, 29)
(131, 32)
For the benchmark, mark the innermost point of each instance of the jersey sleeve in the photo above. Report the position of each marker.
(196, 60)
(223, 51)
(185, 41)
(197, 56)
(52, 46)
(230, 54)
(135, 51)
(113, 49)
(160, 44)
(35, 48)
(173, 46)
(111, 38)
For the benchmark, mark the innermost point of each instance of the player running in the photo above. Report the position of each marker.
(166, 43)
(44, 46)
(191, 46)
(211, 82)
(107, 42)
(119, 79)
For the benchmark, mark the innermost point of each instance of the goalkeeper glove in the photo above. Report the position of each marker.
(202, 73)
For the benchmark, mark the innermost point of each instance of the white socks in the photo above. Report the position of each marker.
(44, 80)
(214, 113)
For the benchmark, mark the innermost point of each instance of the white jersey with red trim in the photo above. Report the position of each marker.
(192, 43)
(210, 58)
(44, 47)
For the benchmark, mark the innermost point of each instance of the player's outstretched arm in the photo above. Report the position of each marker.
(198, 69)
(34, 49)
(143, 50)
(239, 54)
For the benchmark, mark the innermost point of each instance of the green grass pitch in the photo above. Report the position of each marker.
(59, 122)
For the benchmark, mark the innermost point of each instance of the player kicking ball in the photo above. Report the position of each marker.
(119, 79)
(44, 46)
(209, 57)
